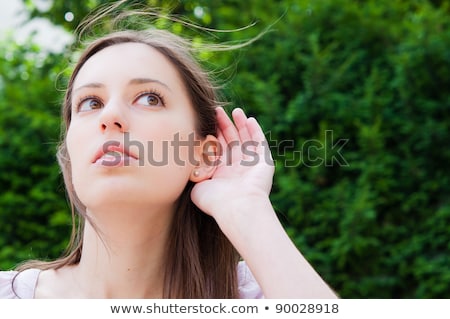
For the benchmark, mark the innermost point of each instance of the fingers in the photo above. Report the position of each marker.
(257, 135)
(244, 132)
(255, 130)
(240, 119)
(226, 126)
(236, 131)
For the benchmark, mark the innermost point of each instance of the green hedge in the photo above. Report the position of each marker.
(34, 217)
(377, 75)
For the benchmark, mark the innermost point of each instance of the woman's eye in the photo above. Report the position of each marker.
(150, 99)
(89, 104)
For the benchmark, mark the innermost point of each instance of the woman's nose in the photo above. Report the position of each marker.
(113, 117)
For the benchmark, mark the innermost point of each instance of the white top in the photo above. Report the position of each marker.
(25, 283)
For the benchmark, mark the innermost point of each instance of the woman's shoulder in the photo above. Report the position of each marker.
(248, 286)
(6, 284)
(14, 284)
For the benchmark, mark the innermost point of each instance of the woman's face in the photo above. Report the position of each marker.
(131, 137)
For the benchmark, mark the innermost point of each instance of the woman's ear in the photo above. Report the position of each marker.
(208, 157)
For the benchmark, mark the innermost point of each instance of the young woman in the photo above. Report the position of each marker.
(172, 196)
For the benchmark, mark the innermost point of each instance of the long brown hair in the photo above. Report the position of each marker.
(201, 261)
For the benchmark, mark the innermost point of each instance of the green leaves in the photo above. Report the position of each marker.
(375, 73)
(29, 177)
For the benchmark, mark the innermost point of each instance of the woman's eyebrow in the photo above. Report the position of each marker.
(148, 80)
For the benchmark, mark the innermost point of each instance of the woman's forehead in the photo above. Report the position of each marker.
(127, 61)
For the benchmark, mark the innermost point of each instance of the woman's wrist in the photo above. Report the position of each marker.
(243, 219)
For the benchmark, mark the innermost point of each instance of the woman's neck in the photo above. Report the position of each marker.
(122, 257)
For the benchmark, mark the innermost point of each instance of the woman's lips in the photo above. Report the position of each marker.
(113, 154)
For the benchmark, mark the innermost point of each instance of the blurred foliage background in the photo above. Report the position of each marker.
(354, 97)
